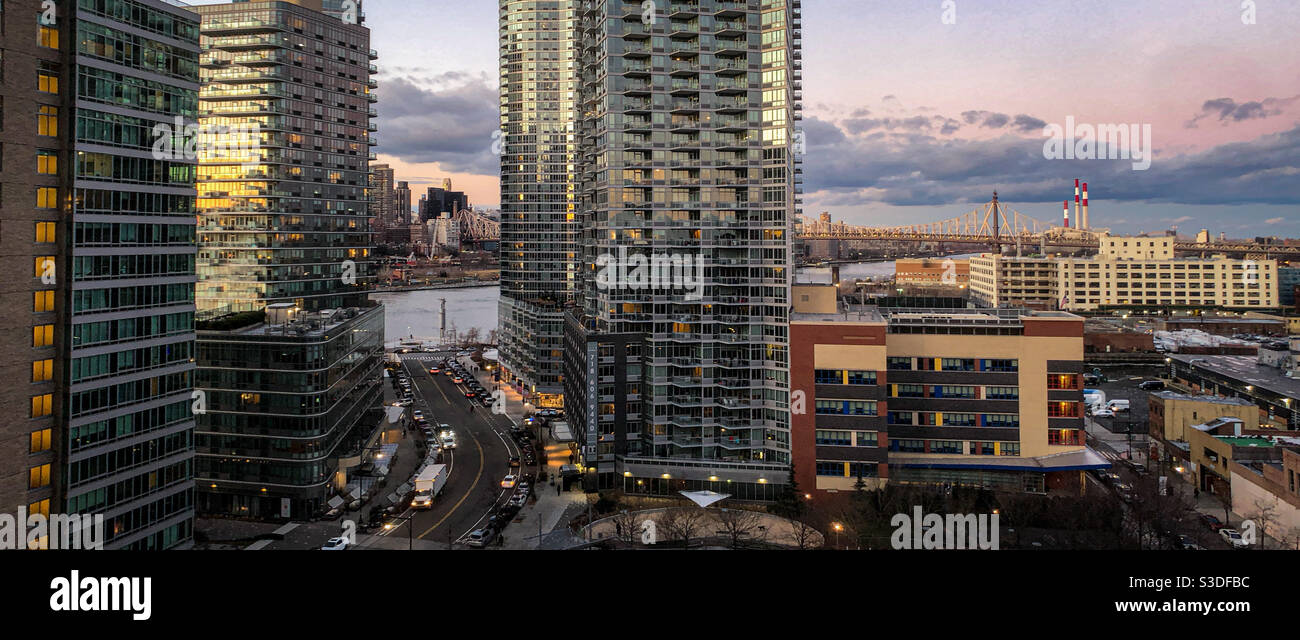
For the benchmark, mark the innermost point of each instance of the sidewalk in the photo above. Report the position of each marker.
(551, 511)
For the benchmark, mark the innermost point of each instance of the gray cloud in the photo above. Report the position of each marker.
(449, 119)
(1227, 110)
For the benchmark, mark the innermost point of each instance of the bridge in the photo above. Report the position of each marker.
(993, 225)
(476, 228)
(997, 227)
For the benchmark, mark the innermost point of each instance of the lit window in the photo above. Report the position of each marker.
(43, 301)
(42, 440)
(38, 477)
(42, 370)
(42, 405)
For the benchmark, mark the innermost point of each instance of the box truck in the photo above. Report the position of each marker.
(428, 484)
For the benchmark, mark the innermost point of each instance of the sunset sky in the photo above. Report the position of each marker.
(909, 119)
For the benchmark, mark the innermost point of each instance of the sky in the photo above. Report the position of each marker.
(911, 116)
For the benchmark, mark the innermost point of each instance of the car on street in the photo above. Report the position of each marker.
(1212, 522)
(481, 537)
(523, 488)
(457, 380)
(508, 482)
(1152, 385)
(469, 393)
(1103, 413)
(434, 370)
(1186, 542)
(519, 500)
(418, 415)
(1110, 476)
(1233, 537)
(335, 544)
(514, 461)
(404, 402)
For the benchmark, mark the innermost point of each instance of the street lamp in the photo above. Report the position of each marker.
(838, 528)
(410, 534)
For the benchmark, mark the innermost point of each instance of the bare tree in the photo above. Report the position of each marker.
(683, 523)
(472, 335)
(804, 534)
(626, 526)
(1267, 517)
(738, 524)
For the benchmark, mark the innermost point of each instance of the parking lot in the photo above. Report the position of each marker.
(1122, 384)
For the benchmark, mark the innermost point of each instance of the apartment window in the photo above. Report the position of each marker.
(835, 438)
(1063, 409)
(831, 469)
(42, 440)
(864, 470)
(947, 446)
(907, 446)
(43, 335)
(899, 364)
(1002, 420)
(985, 448)
(829, 376)
(866, 439)
(38, 477)
(48, 37)
(1065, 381)
(862, 377)
(44, 265)
(47, 162)
(42, 405)
(861, 408)
(955, 391)
(1010, 449)
(1001, 365)
(958, 364)
(1002, 393)
(960, 420)
(45, 232)
(1065, 436)
(902, 417)
(43, 370)
(47, 198)
(42, 507)
(47, 80)
(909, 391)
(43, 301)
(47, 120)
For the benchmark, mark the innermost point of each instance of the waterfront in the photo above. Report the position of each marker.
(416, 312)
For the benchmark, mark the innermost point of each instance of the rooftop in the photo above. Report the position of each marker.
(914, 315)
(1244, 369)
(1174, 395)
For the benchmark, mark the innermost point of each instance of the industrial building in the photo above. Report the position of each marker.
(1128, 273)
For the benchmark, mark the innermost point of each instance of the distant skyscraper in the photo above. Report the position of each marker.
(291, 349)
(99, 238)
(402, 201)
(538, 196)
(442, 200)
(677, 361)
(381, 192)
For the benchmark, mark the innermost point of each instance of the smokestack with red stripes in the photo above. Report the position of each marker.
(1083, 222)
(1065, 212)
(1078, 219)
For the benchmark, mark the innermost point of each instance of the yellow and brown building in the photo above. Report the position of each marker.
(987, 398)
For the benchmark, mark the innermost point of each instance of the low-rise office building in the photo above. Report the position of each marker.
(981, 398)
(1171, 413)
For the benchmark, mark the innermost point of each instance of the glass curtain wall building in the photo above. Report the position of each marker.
(132, 77)
(290, 346)
(538, 192)
(678, 373)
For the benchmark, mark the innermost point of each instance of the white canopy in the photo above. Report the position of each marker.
(705, 498)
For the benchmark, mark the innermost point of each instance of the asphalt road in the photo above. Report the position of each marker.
(477, 465)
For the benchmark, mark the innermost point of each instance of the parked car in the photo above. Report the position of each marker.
(481, 537)
(1186, 542)
(1212, 522)
(1152, 385)
(1234, 538)
(1117, 405)
(1103, 413)
(335, 544)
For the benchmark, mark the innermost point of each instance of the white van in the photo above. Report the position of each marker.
(1118, 405)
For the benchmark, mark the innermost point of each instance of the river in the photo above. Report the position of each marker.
(416, 312)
